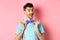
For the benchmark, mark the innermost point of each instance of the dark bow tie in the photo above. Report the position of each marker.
(29, 21)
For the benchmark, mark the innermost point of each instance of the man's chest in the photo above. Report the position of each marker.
(30, 29)
(30, 32)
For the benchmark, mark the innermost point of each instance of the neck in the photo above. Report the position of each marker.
(29, 18)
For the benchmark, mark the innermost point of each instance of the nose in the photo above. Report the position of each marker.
(31, 12)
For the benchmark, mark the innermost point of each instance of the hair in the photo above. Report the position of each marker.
(27, 5)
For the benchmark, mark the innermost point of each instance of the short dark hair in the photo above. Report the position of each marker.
(27, 5)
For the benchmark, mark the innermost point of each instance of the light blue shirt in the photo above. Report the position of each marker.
(29, 33)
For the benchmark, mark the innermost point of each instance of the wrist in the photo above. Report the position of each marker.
(22, 29)
(36, 29)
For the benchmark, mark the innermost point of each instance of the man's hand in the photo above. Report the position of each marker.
(20, 35)
(41, 37)
(23, 25)
(36, 25)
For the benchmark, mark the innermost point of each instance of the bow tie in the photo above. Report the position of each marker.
(29, 21)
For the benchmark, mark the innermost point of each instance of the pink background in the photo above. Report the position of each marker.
(11, 13)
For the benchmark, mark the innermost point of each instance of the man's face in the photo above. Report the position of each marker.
(29, 12)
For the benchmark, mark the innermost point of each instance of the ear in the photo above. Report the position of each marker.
(24, 12)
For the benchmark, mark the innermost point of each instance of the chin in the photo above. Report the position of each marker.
(31, 17)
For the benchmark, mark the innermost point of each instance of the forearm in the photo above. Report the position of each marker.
(22, 32)
(40, 36)
(22, 28)
(19, 36)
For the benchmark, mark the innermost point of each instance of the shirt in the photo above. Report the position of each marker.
(30, 32)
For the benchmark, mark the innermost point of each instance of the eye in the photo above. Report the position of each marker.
(31, 9)
(28, 10)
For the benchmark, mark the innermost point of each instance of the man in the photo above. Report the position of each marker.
(29, 29)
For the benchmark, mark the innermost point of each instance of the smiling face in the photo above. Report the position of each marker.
(29, 12)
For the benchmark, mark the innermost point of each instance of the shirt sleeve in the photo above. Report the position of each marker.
(19, 29)
(41, 29)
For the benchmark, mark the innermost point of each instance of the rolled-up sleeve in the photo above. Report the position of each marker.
(41, 29)
(19, 28)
